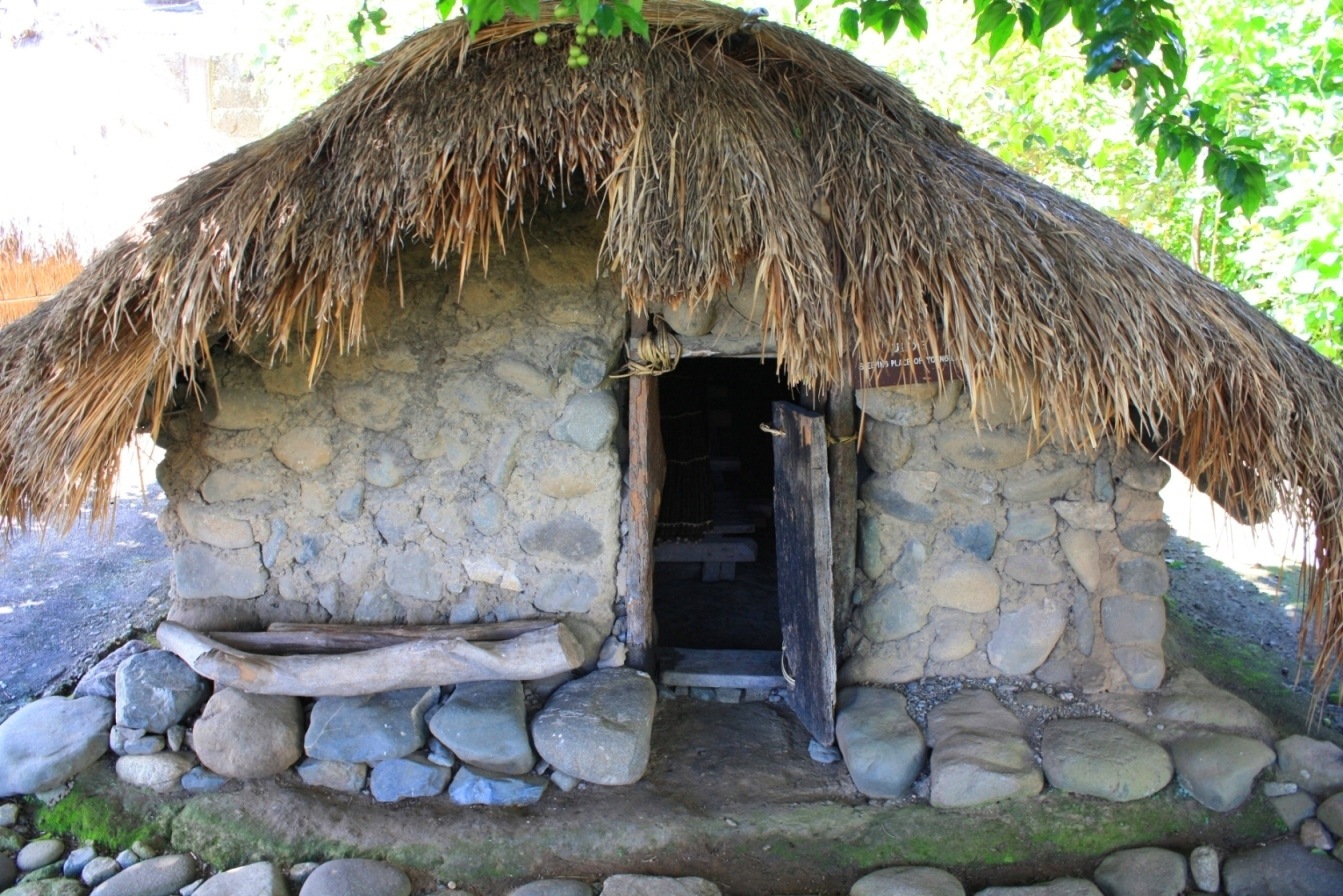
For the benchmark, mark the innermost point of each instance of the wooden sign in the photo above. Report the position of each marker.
(903, 366)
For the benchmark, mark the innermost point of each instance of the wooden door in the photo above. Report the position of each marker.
(806, 566)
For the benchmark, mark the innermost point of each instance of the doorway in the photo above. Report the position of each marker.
(715, 571)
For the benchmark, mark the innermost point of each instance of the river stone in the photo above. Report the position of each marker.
(356, 877)
(478, 787)
(1219, 769)
(907, 882)
(200, 571)
(1205, 867)
(1294, 808)
(1066, 886)
(50, 740)
(75, 862)
(1030, 522)
(1083, 553)
(568, 537)
(56, 887)
(9, 815)
(101, 680)
(969, 586)
(38, 853)
(485, 724)
(1331, 813)
(259, 879)
(369, 728)
(1026, 636)
(598, 727)
(648, 885)
(9, 872)
(407, 777)
(588, 421)
(1285, 868)
(202, 780)
(333, 775)
(1145, 536)
(912, 406)
(243, 735)
(163, 876)
(976, 538)
(1315, 765)
(156, 690)
(1103, 759)
(1097, 516)
(987, 450)
(99, 869)
(161, 772)
(1146, 871)
(980, 753)
(882, 746)
(556, 887)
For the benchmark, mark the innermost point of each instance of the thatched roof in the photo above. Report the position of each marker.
(713, 150)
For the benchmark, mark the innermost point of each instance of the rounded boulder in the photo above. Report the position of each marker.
(243, 735)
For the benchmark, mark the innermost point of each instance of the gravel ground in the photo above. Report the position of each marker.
(67, 600)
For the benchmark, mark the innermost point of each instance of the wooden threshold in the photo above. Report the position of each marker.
(684, 667)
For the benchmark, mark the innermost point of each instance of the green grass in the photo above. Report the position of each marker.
(90, 818)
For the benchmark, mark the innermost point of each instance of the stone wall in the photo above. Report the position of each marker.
(982, 553)
(461, 466)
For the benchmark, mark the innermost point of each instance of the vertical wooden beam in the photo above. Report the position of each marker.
(841, 422)
(647, 471)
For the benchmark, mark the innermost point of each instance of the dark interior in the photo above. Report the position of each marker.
(720, 488)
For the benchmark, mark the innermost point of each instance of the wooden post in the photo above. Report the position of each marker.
(841, 421)
(647, 471)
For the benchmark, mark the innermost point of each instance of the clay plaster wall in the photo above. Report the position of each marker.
(462, 466)
(983, 554)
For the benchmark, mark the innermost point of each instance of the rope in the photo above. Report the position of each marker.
(659, 352)
(830, 438)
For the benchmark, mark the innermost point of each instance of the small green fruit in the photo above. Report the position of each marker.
(582, 60)
(574, 50)
(580, 39)
(563, 11)
(573, 62)
(592, 30)
(540, 38)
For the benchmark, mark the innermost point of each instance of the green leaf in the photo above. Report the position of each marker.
(356, 29)
(800, 5)
(1187, 157)
(991, 17)
(890, 23)
(608, 23)
(916, 17)
(1001, 35)
(1051, 13)
(527, 9)
(444, 8)
(632, 16)
(848, 22)
(1030, 25)
(587, 9)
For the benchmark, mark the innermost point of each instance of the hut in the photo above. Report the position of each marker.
(486, 338)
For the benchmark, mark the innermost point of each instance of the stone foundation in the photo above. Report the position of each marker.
(983, 553)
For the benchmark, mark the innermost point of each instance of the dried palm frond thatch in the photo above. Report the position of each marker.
(713, 149)
(30, 274)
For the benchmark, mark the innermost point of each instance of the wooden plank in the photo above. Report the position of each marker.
(681, 667)
(309, 638)
(647, 471)
(534, 655)
(710, 550)
(841, 421)
(806, 569)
